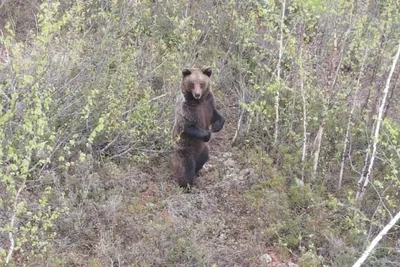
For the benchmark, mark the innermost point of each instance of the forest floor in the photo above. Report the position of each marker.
(139, 216)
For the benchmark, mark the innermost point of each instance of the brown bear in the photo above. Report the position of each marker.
(195, 113)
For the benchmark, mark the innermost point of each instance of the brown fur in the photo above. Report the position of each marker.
(197, 108)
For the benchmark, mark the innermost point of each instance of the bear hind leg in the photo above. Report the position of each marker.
(201, 160)
(185, 171)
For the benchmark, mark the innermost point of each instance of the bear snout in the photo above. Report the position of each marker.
(197, 95)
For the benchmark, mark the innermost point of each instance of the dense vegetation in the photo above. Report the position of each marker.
(306, 168)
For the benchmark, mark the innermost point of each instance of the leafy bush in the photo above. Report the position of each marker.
(88, 90)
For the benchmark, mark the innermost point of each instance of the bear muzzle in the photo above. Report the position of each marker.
(196, 95)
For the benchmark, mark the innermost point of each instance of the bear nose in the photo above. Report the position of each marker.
(197, 96)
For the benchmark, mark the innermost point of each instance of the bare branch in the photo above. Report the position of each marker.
(239, 123)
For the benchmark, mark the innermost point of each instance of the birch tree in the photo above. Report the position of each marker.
(278, 76)
(376, 240)
(304, 104)
(331, 93)
(364, 180)
(349, 121)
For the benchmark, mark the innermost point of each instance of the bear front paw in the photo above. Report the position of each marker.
(217, 126)
(207, 137)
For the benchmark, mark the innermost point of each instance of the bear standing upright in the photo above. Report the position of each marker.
(195, 113)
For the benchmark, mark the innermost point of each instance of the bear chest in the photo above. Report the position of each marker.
(204, 113)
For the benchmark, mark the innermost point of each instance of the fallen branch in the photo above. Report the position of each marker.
(376, 240)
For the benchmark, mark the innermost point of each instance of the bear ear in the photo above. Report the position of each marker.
(186, 72)
(207, 71)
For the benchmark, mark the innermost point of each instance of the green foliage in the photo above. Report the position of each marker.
(300, 197)
(184, 251)
(310, 258)
(88, 89)
(57, 110)
(389, 185)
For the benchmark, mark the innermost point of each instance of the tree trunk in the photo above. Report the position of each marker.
(331, 94)
(363, 182)
(304, 102)
(279, 77)
(376, 240)
(318, 140)
(349, 121)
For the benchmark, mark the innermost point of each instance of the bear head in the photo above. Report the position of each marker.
(196, 83)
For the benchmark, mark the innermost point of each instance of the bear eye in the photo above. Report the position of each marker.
(191, 85)
(202, 85)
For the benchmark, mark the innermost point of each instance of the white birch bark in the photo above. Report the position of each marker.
(318, 140)
(303, 95)
(279, 76)
(320, 133)
(239, 123)
(363, 182)
(376, 240)
(12, 223)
